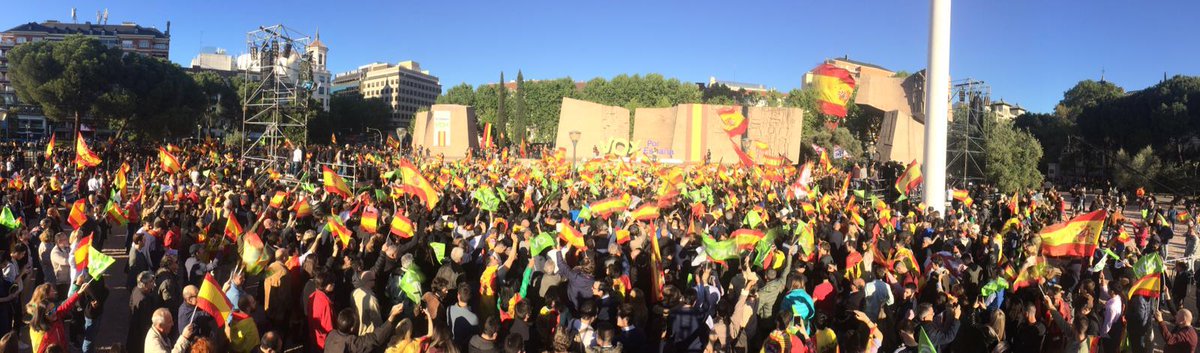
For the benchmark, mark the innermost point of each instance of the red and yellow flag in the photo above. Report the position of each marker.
(1031, 275)
(1077, 237)
(339, 229)
(486, 142)
(910, 179)
(746, 238)
(622, 236)
(168, 161)
(733, 121)
(232, 228)
(213, 301)
(835, 86)
(50, 146)
(84, 157)
(963, 196)
(302, 208)
(78, 216)
(114, 213)
(277, 200)
(334, 183)
(607, 207)
(1147, 286)
(81, 253)
(416, 184)
(571, 235)
(370, 220)
(646, 213)
(401, 225)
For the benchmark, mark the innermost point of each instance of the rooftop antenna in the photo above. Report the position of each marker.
(105, 16)
(73, 18)
(1101, 74)
(99, 17)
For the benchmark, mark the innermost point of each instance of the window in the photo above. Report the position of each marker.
(143, 44)
(20, 40)
(160, 46)
(128, 44)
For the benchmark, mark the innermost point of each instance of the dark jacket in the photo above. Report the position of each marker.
(340, 342)
(480, 345)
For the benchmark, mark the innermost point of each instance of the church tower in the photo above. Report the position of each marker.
(321, 76)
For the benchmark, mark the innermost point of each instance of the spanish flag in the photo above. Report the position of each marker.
(416, 184)
(391, 142)
(835, 86)
(253, 254)
(50, 146)
(370, 220)
(910, 179)
(1147, 286)
(1077, 237)
(963, 196)
(334, 183)
(302, 208)
(113, 212)
(571, 236)
(277, 200)
(606, 207)
(1031, 275)
(622, 236)
(746, 238)
(81, 252)
(732, 121)
(84, 157)
(120, 182)
(213, 301)
(168, 162)
(232, 228)
(401, 225)
(78, 215)
(646, 213)
(486, 140)
(339, 229)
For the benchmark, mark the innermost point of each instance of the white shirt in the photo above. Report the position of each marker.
(297, 155)
(93, 184)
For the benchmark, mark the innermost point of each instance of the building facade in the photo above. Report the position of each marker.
(29, 123)
(216, 60)
(404, 86)
(322, 80)
(1005, 111)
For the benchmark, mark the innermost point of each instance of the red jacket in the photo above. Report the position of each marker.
(321, 318)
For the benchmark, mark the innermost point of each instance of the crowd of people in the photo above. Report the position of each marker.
(368, 249)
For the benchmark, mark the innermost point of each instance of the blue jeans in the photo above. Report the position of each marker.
(89, 333)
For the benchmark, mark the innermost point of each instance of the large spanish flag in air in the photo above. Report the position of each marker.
(608, 206)
(733, 121)
(1077, 237)
(213, 301)
(910, 179)
(571, 236)
(334, 183)
(84, 157)
(834, 86)
(415, 183)
(401, 225)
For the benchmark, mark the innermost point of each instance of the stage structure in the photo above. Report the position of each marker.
(965, 145)
(279, 84)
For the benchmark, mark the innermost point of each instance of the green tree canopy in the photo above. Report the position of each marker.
(350, 112)
(1086, 94)
(66, 79)
(1011, 156)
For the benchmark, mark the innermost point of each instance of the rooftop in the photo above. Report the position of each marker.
(87, 28)
(847, 59)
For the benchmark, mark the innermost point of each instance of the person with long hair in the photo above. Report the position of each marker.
(46, 320)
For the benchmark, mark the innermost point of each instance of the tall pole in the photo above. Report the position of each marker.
(937, 103)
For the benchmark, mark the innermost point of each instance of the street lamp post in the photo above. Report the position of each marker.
(575, 144)
(378, 132)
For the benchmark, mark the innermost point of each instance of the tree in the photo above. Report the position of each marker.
(461, 94)
(544, 101)
(501, 112)
(154, 97)
(1011, 156)
(520, 119)
(1086, 94)
(350, 112)
(1051, 130)
(831, 140)
(67, 78)
(1141, 169)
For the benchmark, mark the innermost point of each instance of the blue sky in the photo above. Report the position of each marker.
(1028, 51)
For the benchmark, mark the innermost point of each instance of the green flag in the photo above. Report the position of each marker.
(410, 284)
(585, 212)
(7, 220)
(439, 250)
(763, 248)
(861, 194)
(487, 199)
(1148, 264)
(1144, 214)
(540, 242)
(97, 262)
(752, 219)
(924, 345)
(996, 285)
(502, 194)
(309, 187)
(720, 250)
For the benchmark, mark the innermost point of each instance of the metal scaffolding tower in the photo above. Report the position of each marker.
(965, 148)
(279, 86)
